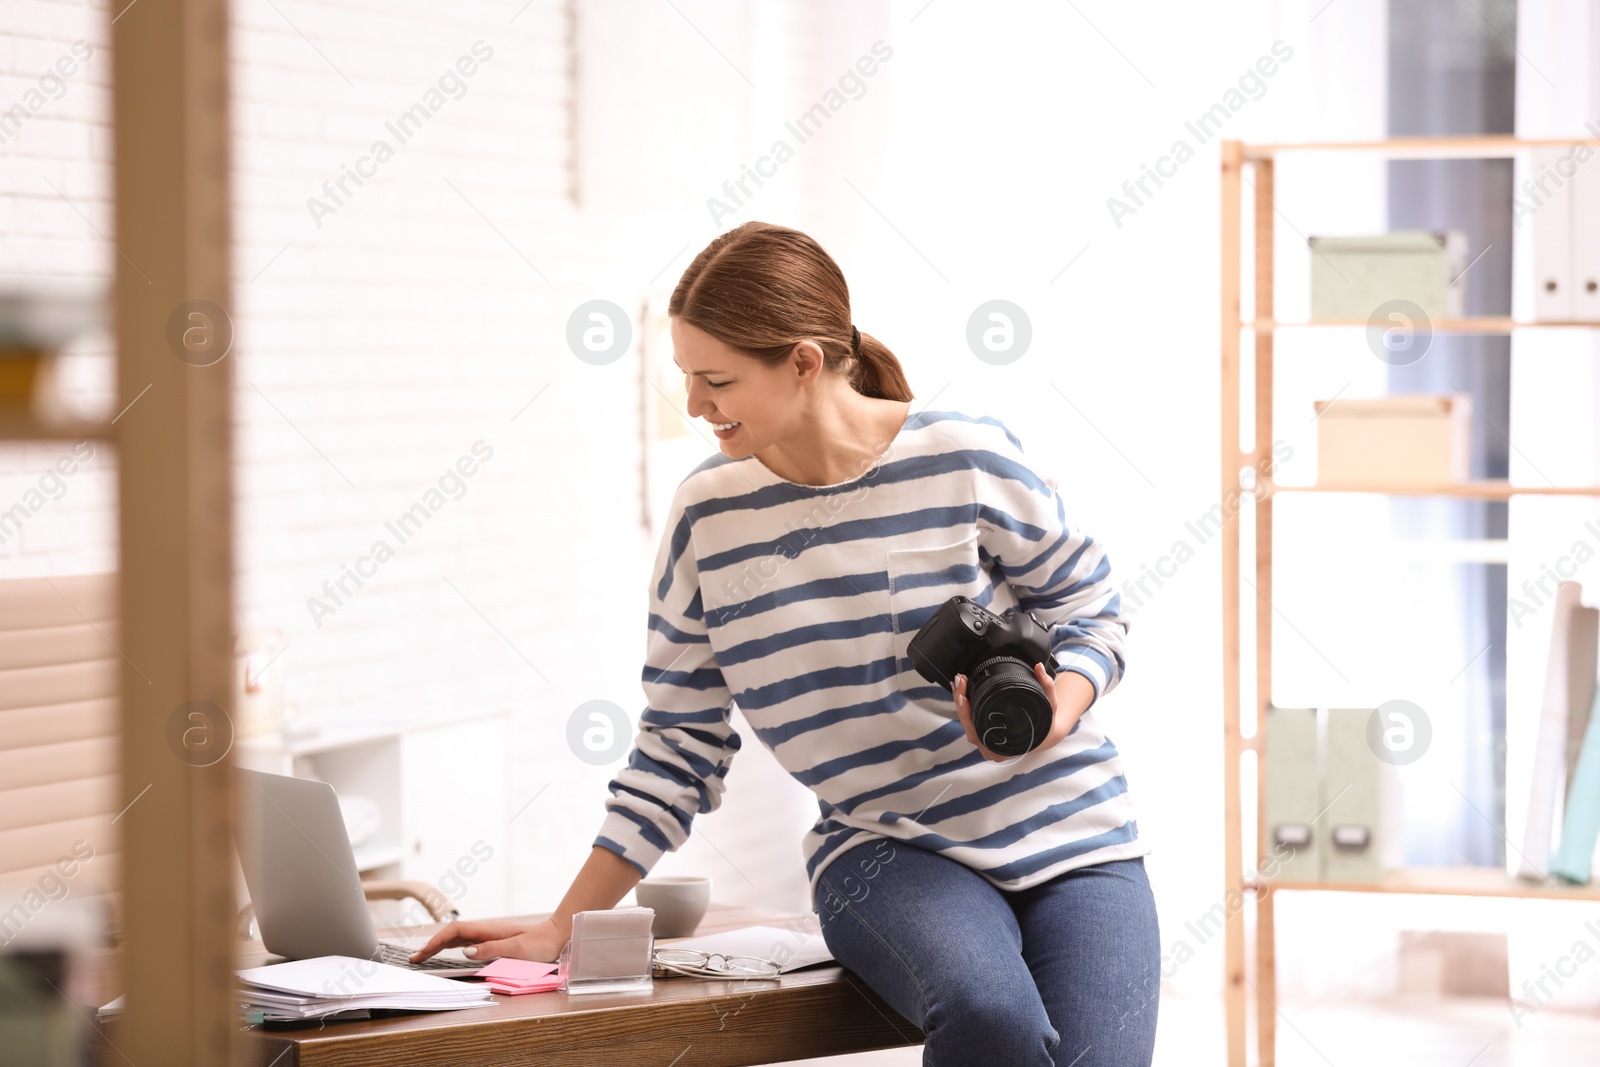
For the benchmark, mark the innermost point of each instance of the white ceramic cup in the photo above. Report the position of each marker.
(679, 902)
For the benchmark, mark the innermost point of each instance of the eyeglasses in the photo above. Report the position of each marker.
(699, 964)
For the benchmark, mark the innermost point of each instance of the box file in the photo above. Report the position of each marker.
(1584, 242)
(1552, 241)
(1350, 799)
(1293, 795)
(1583, 674)
(1571, 655)
(1580, 826)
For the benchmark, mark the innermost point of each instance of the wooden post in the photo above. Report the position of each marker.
(1266, 972)
(171, 150)
(1233, 860)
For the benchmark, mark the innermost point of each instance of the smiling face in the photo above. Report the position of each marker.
(749, 405)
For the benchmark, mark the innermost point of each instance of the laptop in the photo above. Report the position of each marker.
(302, 877)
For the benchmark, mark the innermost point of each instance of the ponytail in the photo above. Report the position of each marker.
(876, 372)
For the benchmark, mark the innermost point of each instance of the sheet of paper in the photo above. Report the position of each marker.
(345, 976)
(791, 949)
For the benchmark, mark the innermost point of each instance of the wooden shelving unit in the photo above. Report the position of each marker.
(1480, 882)
(1483, 489)
(171, 146)
(1486, 324)
(1445, 881)
(170, 195)
(1480, 147)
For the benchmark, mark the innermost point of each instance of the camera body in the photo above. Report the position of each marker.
(1010, 709)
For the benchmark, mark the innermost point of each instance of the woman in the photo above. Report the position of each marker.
(1000, 904)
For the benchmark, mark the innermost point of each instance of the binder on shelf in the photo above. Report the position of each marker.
(1583, 246)
(1580, 825)
(1583, 664)
(1567, 618)
(1293, 794)
(1350, 800)
(1552, 242)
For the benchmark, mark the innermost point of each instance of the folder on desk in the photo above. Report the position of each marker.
(1351, 802)
(1293, 793)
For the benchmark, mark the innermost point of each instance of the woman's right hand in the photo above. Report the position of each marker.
(488, 938)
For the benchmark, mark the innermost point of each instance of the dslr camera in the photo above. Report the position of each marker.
(1010, 710)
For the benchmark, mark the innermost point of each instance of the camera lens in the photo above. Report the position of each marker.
(1010, 710)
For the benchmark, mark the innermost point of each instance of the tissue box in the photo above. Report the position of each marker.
(1351, 277)
(1393, 440)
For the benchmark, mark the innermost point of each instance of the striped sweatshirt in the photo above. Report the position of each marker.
(798, 602)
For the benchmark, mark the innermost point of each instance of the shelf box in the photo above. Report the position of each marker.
(1393, 440)
(1356, 277)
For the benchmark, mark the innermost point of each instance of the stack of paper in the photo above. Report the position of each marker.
(306, 989)
(515, 977)
(331, 985)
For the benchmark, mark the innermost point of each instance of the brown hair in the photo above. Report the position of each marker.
(762, 288)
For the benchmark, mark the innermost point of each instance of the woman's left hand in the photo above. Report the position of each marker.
(1070, 695)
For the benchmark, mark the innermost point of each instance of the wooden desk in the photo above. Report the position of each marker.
(679, 1022)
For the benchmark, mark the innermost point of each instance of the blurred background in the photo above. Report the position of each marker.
(416, 246)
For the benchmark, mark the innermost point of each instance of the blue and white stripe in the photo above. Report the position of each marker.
(797, 603)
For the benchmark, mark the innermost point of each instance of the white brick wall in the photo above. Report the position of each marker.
(394, 336)
(49, 234)
(373, 350)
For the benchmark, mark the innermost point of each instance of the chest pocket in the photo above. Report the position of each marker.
(921, 578)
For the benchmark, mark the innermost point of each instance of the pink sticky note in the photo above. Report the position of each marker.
(513, 989)
(516, 971)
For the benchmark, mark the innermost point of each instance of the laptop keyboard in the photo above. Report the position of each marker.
(400, 956)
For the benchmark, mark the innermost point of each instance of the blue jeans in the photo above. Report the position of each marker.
(1067, 972)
